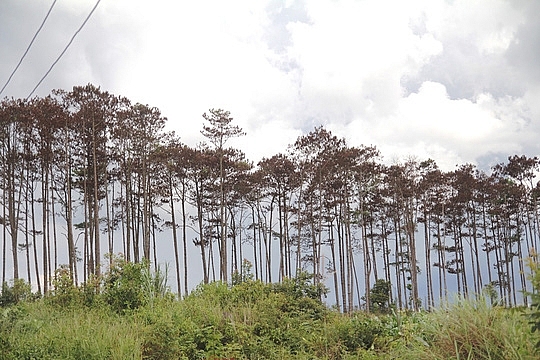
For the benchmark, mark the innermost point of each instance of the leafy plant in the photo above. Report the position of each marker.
(534, 277)
(19, 290)
(379, 296)
(65, 293)
(359, 331)
(128, 285)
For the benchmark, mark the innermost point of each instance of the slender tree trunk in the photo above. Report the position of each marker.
(27, 231)
(373, 247)
(54, 232)
(398, 261)
(4, 229)
(299, 225)
(34, 240)
(45, 229)
(72, 254)
(334, 270)
(254, 228)
(184, 237)
(367, 260)
(427, 248)
(146, 212)
(349, 259)
(234, 254)
(13, 219)
(109, 209)
(267, 236)
(175, 236)
(97, 257)
(287, 239)
(128, 207)
(223, 236)
(413, 258)
(342, 254)
(281, 240)
(198, 195)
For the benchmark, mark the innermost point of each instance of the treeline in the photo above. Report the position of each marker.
(87, 173)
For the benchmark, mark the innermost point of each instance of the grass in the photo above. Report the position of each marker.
(40, 331)
(471, 329)
(252, 320)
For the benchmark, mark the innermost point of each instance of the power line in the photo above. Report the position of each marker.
(65, 49)
(28, 48)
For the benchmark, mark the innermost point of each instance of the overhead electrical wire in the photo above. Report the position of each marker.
(65, 49)
(28, 48)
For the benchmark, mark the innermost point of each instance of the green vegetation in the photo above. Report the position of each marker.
(130, 314)
(534, 315)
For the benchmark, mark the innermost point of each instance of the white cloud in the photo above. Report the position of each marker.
(489, 26)
(353, 55)
(431, 113)
(430, 124)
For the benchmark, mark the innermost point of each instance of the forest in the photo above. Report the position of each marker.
(88, 174)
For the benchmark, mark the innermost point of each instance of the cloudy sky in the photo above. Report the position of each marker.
(457, 81)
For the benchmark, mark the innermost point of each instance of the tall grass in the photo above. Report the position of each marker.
(472, 329)
(40, 331)
(250, 320)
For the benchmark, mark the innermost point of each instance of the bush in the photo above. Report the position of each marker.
(359, 331)
(534, 277)
(65, 293)
(18, 291)
(303, 297)
(129, 286)
(123, 285)
(379, 296)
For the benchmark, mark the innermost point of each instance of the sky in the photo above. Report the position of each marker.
(457, 81)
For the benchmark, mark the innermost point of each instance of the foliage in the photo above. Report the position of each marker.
(359, 331)
(305, 295)
(468, 329)
(44, 331)
(379, 296)
(247, 320)
(128, 285)
(111, 167)
(244, 275)
(19, 290)
(125, 286)
(65, 293)
(534, 277)
(253, 320)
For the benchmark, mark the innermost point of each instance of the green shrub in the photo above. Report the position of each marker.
(19, 290)
(251, 319)
(534, 277)
(64, 293)
(303, 297)
(359, 331)
(128, 285)
(123, 285)
(379, 296)
(301, 286)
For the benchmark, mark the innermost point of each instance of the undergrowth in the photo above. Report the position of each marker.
(130, 314)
